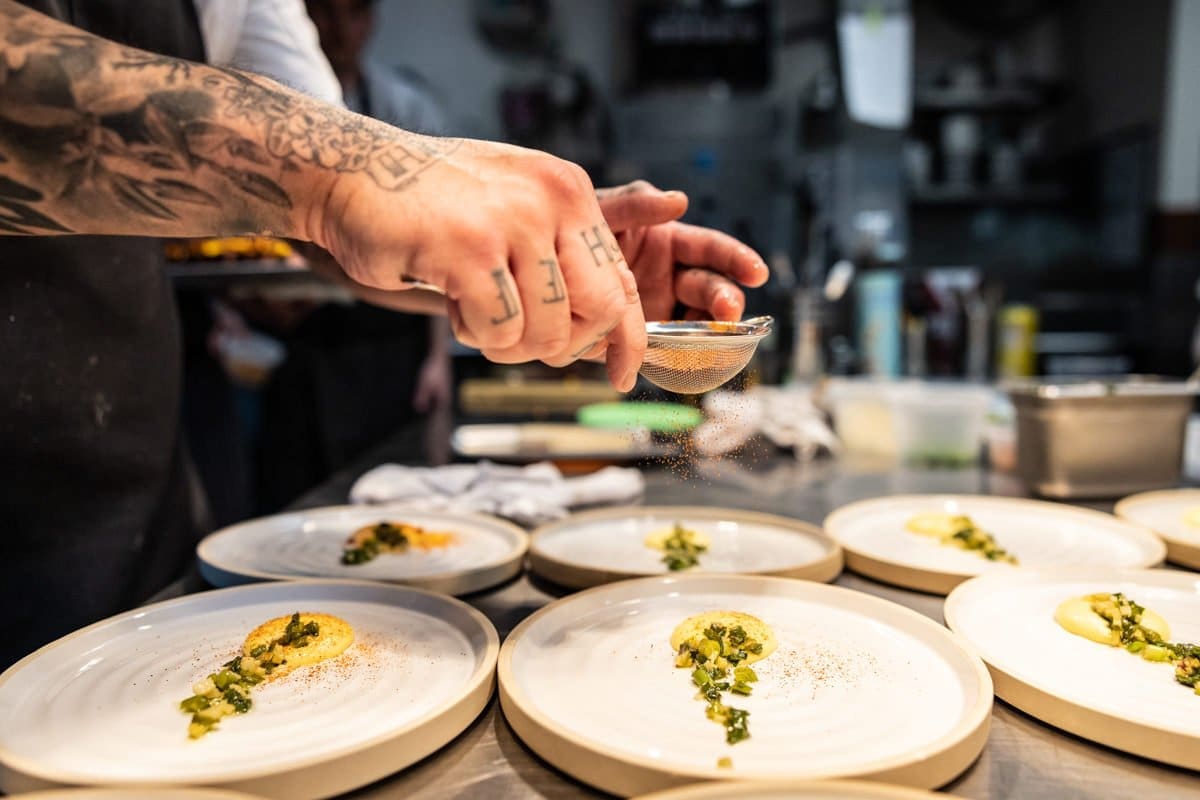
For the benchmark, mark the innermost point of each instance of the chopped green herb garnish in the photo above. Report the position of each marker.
(227, 691)
(1124, 617)
(714, 655)
(681, 550)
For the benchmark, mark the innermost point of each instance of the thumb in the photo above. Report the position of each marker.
(639, 204)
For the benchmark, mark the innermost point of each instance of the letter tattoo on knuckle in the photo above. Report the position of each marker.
(504, 294)
(555, 283)
(604, 250)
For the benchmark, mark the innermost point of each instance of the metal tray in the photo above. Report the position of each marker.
(1101, 438)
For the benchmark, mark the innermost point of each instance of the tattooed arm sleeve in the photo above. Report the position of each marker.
(100, 138)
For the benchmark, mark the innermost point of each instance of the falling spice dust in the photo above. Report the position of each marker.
(685, 455)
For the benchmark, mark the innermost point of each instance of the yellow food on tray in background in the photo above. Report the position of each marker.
(229, 247)
(1192, 517)
(958, 530)
(1115, 620)
(272, 650)
(680, 546)
(390, 537)
(719, 647)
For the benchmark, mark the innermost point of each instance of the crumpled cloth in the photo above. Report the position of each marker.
(529, 495)
(785, 415)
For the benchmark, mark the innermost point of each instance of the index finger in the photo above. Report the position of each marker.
(627, 341)
(720, 252)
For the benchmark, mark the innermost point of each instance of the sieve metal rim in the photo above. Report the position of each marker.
(684, 333)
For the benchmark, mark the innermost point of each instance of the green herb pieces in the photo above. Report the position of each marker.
(958, 530)
(227, 691)
(369, 542)
(1187, 668)
(682, 549)
(1124, 617)
(390, 537)
(971, 537)
(715, 656)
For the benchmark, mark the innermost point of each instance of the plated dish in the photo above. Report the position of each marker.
(597, 547)
(855, 686)
(443, 552)
(974, 535)
(102, 706)
(1174, 514)
(1049, 641)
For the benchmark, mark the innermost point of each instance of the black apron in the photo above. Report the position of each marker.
(95, 508)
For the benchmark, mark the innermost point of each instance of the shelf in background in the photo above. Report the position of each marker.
(234, 268)
(983, 100)
(1028, 194)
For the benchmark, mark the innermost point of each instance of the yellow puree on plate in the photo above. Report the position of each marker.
(1116, 620)
(719, 647)
(271, 651)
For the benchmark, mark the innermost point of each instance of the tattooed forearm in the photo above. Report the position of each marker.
(504, 294)
(554, 282)
(100, 138)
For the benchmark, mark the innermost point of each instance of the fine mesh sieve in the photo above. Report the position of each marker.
(696, 357)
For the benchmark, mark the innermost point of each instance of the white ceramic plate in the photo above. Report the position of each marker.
(1098, 692)
(597, 547)
(1037, 533)
(798, 790)
(101, 706)
(858, 687)
(1163, 512)
(308, 544)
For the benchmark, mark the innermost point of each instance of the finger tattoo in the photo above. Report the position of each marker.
(598, 340)
(504, 294)
(603, 251)
(557, 293)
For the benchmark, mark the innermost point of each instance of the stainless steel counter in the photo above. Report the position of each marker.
(1023, 758)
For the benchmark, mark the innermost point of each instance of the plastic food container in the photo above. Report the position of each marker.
(940, 424)
(1101, 438)
(862, 414)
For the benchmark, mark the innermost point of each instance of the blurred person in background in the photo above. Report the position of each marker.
(113, 132)
(355, 373)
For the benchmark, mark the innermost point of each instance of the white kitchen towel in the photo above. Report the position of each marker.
(528, 495)
(785, 415)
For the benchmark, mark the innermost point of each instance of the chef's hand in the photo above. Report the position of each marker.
(514, 237)
(643, 219)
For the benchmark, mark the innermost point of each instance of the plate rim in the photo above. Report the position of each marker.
(942, 581)
(281, 780)
(1157, 743)
(850, 789)
(576, 575)
(613, 771)
(1180, 552)
(455, 582)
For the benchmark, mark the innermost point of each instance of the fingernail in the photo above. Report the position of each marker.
(675, 194)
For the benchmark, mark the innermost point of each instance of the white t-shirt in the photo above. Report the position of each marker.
(271, 37)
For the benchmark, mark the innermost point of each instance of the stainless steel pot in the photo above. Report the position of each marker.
(1101, 438)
